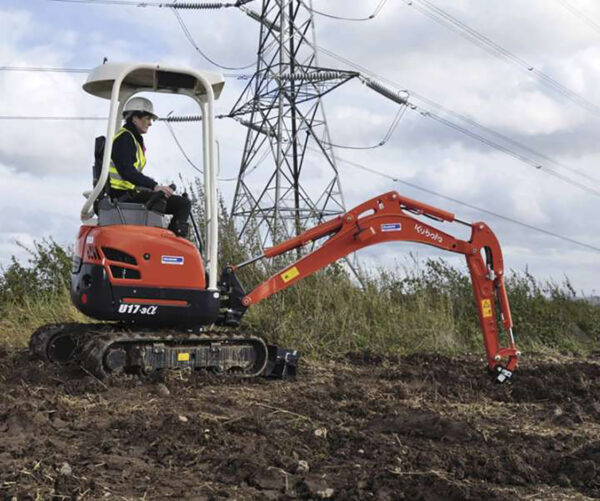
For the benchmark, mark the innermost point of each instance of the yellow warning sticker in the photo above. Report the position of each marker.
(290, 274)
(183, 357)
(486, 308)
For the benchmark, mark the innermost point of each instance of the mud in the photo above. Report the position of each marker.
(420, 427)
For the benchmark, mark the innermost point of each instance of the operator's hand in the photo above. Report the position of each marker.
(167, 190)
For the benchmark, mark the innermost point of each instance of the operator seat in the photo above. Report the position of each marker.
(110, 211)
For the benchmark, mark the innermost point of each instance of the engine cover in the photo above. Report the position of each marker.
(142, 275)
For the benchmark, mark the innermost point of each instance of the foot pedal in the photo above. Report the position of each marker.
(282, 363)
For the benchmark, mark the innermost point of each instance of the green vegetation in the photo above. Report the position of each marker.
(429, 307)
(36, 294)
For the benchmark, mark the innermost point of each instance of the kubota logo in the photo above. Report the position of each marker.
(436, 237)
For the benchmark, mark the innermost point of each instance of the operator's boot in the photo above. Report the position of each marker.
(180, 228)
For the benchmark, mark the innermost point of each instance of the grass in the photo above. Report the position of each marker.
(20, 319)
(428, 308)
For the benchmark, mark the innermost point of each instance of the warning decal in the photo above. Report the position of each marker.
(486, 308)
(290, 274)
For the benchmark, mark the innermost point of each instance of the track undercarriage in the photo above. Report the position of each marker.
(107, 349)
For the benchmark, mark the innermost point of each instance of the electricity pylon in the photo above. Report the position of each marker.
(288, 176)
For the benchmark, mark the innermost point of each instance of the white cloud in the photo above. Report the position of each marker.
(46, 165)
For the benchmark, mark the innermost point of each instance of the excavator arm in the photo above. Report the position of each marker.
(391, 217)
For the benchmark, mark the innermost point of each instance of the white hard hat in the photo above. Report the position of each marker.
(139, 104)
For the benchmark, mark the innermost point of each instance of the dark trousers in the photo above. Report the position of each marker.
(177, 206)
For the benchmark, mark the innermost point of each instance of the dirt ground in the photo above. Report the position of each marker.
(421, 427)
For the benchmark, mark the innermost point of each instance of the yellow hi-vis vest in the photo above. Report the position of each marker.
(116, 181)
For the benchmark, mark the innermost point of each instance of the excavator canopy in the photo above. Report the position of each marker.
(152, 78)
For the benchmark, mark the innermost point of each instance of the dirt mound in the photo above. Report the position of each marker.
(420, 427)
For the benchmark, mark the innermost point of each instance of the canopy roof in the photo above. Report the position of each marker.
(151, 77)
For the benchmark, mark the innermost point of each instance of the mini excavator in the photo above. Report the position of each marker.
(156, 295)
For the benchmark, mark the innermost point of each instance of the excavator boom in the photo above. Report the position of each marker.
(391, 217)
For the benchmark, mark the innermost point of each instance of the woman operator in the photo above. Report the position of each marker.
(128, 159)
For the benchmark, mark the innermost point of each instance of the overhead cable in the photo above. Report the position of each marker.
(442, 17)
(385, 138)
(44, 69)
(170, 118)
(502, 137)
(471, 206)
(377, 10)
(175, 6)
(190, 38)
(187, 158)
(239, 76)
(581, 15)
(21, 117)
(169, 5)
(493, 144)
(512, 153)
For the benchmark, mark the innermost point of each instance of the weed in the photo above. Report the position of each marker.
(428, 307)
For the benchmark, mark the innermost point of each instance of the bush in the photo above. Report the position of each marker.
(47, 274)
(427, 307)
(35, 294)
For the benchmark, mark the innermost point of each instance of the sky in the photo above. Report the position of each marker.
(538, 103)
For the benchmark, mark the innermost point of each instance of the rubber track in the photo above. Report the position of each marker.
(92, 340)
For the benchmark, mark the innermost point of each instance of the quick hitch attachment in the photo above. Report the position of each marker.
(502, 375)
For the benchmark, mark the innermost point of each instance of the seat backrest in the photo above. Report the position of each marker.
(98, 156)
(99, 145)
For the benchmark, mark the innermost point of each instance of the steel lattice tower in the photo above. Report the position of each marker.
(287, 143)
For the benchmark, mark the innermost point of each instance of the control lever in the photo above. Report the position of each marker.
(158, 201)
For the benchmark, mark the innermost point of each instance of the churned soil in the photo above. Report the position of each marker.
(419, 427)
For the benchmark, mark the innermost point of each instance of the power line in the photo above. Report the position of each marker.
(183, 118)
(29, 117)
(514, 154)
(479, 137)
(175, 6)
(581, 15)
(395, 122)
(171, 5)
(44, 69)
(239, 76)
(377, 10)
(470, 121)
(196, 118)
(115, 2)
(388, 135)
(189, 161)
(474, 207)
(190, 38)
(385, 138)
(442, 17)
